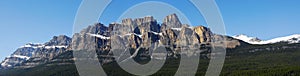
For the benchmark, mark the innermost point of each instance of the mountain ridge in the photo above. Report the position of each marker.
(294, 38)
(134, 34)
(37, 52)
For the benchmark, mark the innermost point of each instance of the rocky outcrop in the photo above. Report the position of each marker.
(228, 41)
(187, 37)
(204, 33)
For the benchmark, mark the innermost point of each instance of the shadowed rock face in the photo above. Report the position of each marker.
(134, 41)
(168, 38)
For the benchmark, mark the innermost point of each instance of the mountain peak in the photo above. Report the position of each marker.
(127, 21)
(146, 19)
(172, 21)
(59, 40)
(171, 18)
(248, 39)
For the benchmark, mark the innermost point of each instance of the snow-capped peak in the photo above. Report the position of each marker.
(290, 39)
(248, 39)
(254, 40)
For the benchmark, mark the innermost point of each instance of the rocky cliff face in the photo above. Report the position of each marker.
(31, 54)
(142, 33)
(204, 33)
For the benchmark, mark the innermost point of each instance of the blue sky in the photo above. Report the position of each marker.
(38, 21)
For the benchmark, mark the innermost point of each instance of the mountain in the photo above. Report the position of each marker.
(36, 53)
(138, 36)
(251, 40)
(254, 40)
(140, 33)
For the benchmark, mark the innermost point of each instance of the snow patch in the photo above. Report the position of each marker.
(100, 36)
(51, 47)
(4, 63)
(178, 29)
(35, 46)
(140, 36)
(156, 33)
(27, 46)
(22, 57)
(137, 35)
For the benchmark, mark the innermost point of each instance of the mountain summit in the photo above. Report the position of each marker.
(248, 39)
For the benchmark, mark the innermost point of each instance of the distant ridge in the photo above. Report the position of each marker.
(295, 38)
